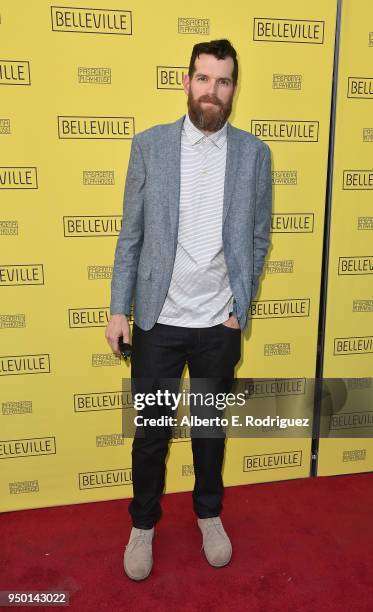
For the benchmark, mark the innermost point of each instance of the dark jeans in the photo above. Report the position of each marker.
(158, 358)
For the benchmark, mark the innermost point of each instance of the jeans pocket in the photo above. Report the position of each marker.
(230, 329)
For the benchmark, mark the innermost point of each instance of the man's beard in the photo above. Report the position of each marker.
(211, 118)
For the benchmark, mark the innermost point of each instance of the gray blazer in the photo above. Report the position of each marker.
(146, 246)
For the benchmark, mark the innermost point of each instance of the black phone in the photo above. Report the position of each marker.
(125, 349)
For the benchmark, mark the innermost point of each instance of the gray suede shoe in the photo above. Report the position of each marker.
(138, 557)
(216, 544)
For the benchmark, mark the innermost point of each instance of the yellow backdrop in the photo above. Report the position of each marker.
(349, 312)
(76, 84)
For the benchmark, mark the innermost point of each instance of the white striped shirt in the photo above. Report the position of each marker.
(200, 294)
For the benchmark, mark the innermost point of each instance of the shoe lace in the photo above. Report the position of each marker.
(139, 540)
(211, 526)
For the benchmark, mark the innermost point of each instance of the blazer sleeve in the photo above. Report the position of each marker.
(130, 239)
(263, 216)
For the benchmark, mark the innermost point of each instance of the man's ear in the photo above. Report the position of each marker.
(186, 83)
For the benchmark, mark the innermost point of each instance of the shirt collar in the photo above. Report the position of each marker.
(195, 135)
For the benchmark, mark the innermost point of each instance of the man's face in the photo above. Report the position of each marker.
(210, 92)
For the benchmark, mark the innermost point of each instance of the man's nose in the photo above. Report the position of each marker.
(212, 87)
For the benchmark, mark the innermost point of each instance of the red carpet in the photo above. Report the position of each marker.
(298, 546)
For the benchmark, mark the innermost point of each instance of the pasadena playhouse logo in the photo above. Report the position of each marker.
(17, 407)
(362, 306)
(98, 177)
(99, 272)
(18, 177)
(268, 29)
(96, 75)
(193, 25)
(368, 134)
(91, 20)
(187, 469)
(9, 321)
(101, 360)
(276, 349)
(365, 223)
(287, 81)
(279, 266)
(285, 130)
(5, 127)
(284, 177)
(23, 486)
(105, 440)
(15, 72)
(8, 227)
(358, 454)
(95, 128)
(171, 77)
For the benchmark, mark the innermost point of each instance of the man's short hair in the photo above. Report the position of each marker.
(218, 48)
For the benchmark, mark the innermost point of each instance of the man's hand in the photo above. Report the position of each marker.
(117, 326)
(232, 322)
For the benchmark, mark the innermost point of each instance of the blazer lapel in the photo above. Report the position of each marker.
(172, 176)
(233, 156)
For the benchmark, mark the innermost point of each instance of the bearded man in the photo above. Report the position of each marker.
(195, 233)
